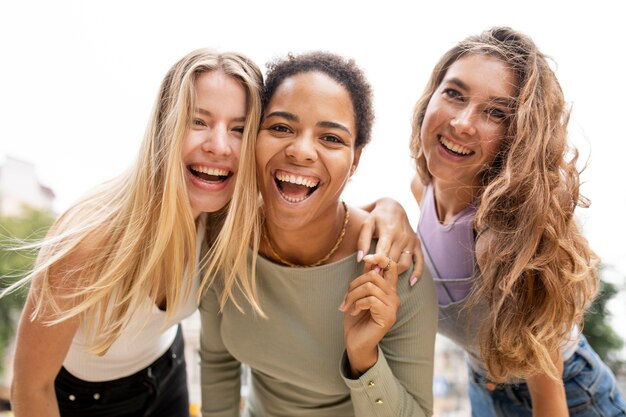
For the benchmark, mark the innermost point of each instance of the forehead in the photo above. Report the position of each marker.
(483, 75)
(313, 94)
(218, 87)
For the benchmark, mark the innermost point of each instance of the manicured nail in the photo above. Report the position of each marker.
(413, 281)
(342, 306)
(377, 269)
(359, 256)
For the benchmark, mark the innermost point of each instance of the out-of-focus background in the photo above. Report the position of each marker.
(78, 80)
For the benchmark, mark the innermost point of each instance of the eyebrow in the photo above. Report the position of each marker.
(325, 123)
(508, 102)
(208, 113)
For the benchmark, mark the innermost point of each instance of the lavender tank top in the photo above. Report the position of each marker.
(448, 250)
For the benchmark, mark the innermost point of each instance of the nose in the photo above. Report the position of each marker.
(302, 148)
(463, 121)
(216, 141)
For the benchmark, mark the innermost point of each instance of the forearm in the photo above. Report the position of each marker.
(27, 401)
(548, 397)
(220, 374)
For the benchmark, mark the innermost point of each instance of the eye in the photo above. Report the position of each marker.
(198, 122)
(238, 130)
(279, 128)
(333, 139)
(497, 114)
(453, 94)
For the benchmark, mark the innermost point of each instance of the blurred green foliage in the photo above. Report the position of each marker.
(597, 329)
(15, 231)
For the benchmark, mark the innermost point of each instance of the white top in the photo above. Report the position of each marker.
(149, 334)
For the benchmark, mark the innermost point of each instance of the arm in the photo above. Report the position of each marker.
(220, 376)
(399, 383)
(39, 354)
(389, 222)
(547, 395)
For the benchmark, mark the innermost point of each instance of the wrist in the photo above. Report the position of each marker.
(361, 362)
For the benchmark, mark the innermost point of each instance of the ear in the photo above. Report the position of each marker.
(357, 158)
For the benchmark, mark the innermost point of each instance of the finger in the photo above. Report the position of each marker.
(418, 264)
(375, 277)
(376, 261)
(405, 259)
(383, 246)
(396, 250)
(369, 289)
(388, 268)
(375, 306)
(365, 238)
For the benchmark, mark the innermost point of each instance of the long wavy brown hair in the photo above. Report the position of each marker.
(542, 273)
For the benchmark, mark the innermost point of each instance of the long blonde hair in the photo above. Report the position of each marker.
(542, 274)
(138, 230)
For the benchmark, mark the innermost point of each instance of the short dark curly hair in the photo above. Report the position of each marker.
(343, 71)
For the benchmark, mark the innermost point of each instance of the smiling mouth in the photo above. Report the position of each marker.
(210, 175)
(295, 188)
(453, 148)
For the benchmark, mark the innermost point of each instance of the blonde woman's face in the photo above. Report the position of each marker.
(466, 119)
(212, 144)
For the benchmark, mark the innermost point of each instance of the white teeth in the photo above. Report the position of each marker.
(210, 171)
(294, 200)
(297, 179)
(454, 147)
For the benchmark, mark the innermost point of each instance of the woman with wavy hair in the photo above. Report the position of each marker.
(497, 186)
(118, 271)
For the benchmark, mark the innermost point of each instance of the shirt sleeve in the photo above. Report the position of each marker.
(220, 376)
(400, 383)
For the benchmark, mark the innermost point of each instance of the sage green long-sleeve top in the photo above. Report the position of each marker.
(297, 355)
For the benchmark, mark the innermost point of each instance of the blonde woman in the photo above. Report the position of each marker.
(497, 192)
(99, 334)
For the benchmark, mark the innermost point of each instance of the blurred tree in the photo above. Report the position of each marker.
(16, 263)
(606, 342)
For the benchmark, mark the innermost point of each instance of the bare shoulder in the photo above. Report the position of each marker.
(417, 188)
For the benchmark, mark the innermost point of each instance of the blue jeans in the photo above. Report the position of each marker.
(160, 390)
(590, 388)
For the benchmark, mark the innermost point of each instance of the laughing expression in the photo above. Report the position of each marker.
(212, 143)
(466, 119)
(305, 149)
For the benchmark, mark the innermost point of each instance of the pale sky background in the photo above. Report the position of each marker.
(78, 80)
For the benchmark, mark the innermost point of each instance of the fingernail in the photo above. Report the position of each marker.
(342, 306)
(413, 281)
(359, 256)
(377, 269)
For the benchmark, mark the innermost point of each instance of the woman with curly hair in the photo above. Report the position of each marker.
(497, 186)
(340, 337)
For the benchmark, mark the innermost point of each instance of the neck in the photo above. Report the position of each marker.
(317, 243)
(450, 200)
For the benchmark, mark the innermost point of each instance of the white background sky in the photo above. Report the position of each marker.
(78, 80)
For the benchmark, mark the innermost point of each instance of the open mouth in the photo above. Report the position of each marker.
(210, 175)
(295, 188)
(454, 148)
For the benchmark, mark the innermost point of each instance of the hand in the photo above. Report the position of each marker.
(370, 307)
(396, 238)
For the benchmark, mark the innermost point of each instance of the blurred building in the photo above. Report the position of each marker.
(20, 187)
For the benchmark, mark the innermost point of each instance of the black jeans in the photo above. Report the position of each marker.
(160, 390)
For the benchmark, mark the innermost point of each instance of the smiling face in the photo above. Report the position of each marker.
(466, 119)
(212, 144)
(305, 149)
